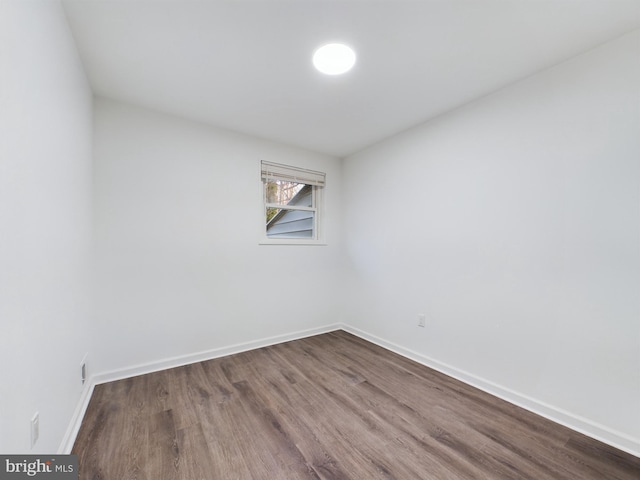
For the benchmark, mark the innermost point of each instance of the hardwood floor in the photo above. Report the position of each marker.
(331, 406)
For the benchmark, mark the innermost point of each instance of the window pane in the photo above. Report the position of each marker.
(272, 212)
(281, 193)
(283, 219)
(286, 223)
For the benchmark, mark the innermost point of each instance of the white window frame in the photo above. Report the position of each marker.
(316, 179)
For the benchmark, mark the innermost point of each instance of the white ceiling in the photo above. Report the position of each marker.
(246, 65)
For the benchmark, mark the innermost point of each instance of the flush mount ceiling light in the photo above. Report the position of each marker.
(334, 59)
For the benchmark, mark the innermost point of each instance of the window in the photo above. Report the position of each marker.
(292, 199)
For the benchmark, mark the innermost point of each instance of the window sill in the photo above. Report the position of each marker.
(292, 241)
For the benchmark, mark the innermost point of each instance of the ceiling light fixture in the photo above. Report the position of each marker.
(334, 59)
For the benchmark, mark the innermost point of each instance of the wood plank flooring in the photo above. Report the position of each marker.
(327, 407)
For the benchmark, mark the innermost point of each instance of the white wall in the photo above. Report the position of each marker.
(513, 223)
(177, 224)
(45, 223)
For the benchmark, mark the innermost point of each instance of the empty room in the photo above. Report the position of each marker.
(320, 239)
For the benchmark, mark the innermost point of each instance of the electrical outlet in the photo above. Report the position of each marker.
(35, 428)
(83, 369)
(422, 319)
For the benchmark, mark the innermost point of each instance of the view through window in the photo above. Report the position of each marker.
(291, 201)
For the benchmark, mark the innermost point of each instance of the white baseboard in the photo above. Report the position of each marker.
(76, 420)
(585, 426)
(179, 361)
(592, 429)
(97, 379)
